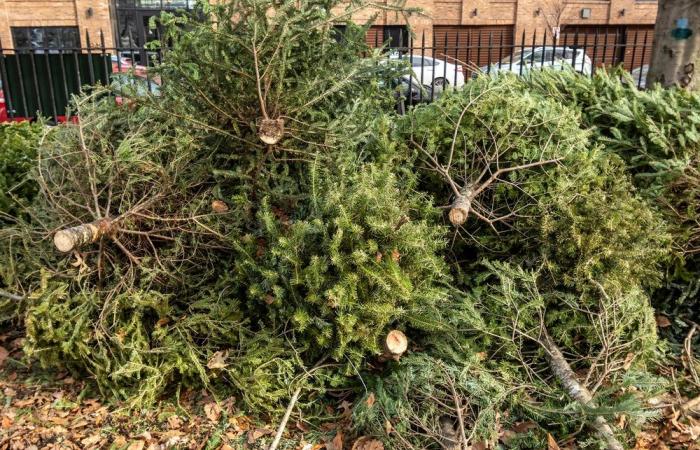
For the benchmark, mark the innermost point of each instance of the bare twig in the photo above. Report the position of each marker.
(11, 296)
(566, 376)
(285, 419)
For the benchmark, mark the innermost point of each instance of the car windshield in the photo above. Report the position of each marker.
(517, 55)
(420, 61)
(540, 54)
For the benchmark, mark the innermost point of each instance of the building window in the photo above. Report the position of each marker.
(46, 38)
(391, 36)
(395, 36)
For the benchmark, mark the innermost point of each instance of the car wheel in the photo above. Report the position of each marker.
(440, 83)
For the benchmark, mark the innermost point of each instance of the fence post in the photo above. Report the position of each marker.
(641, 66)
(35, 81)
(104, 57)
(89, 52)
(52, 95)
(422, 61)
(9, 104)
(595, 50)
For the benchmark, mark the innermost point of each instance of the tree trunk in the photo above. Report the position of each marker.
(566, 376)
(459, 210)
(676, 54)
(87, 233)
(395, 344)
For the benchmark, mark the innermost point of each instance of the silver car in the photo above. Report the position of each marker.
(433, 72)
(548, 57)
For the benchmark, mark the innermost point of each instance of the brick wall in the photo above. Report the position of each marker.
(52, 13)
(522, 15)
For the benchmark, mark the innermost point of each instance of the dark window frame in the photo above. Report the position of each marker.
(53, 38)
(397, 36)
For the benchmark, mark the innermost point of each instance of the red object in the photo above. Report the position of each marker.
(4, 114)
(124, 65)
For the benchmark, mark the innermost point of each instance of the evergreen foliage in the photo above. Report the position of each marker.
(596, 247)
(18, 142)
(242, 65)
(139, 343)
(268, 213)
(655, 132)
(365, 256)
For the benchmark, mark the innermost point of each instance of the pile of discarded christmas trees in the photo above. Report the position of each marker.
(268, 227)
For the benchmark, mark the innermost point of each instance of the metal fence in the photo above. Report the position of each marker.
(40, 81)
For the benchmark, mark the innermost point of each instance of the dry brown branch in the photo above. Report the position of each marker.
(11, 296)
(285, 419)
(566, 376)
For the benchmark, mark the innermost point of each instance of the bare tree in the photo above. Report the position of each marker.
(553, 12)
(676, 52)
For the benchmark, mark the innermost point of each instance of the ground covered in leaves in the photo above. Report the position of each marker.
(52, 410)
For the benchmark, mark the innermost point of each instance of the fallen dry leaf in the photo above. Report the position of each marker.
(337, 442)
(219, 207)
(524, 427)
(3, 355)
(6, 422)
(136, 445)
(301, 426)
(91, 440)
(212, 411)
(174, 422)
(552, 443)
(367, 443)
(217, 360)
(346, 406)
(254, 435)
(662, 321)
(370, 399)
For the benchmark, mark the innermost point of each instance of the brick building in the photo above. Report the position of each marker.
(444, 23)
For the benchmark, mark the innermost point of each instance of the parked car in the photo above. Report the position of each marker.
(409, 92)
(639, 75)
(548, 57)
(434, 72)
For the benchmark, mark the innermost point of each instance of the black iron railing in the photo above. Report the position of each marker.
(40, 81)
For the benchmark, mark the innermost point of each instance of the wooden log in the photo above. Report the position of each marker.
(395, 345)
(87, 233)
(459, 211)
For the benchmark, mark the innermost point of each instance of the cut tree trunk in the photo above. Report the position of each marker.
(395, 344)
(566, 376)
(270, 131)
(676, 53)
(459, 210)
(87, 233)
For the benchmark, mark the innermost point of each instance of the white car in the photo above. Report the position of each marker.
(639, 75)
(433, 72)
(547, 57)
